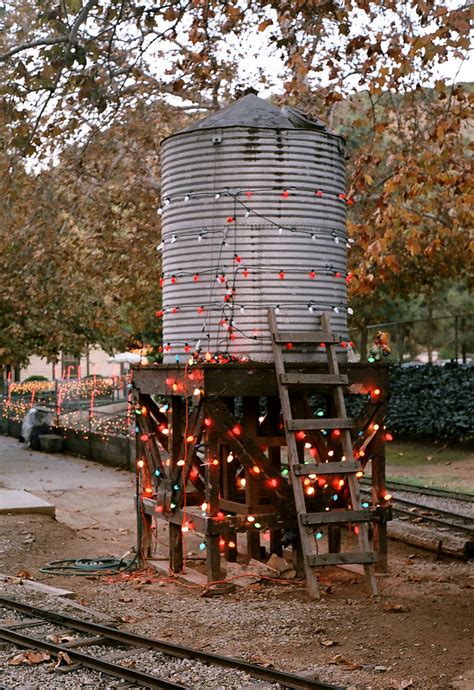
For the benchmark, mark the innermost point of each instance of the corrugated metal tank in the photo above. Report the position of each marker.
(253, 215)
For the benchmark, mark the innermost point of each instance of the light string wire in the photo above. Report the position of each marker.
(321, 232)
(220, 270)
(284, 192)
(229, 304)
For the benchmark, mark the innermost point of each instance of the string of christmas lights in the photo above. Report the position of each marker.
(238, 195)
(247, 270)
(330, 491)
(224, 239)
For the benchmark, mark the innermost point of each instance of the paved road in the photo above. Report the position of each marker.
(83, 492)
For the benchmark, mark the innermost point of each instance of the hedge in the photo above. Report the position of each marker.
(429, 401)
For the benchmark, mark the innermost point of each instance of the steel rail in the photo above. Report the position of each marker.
(469, 529)
(439, 511)
(454, 526)
(425, 490)
(288, 680)
(101, 665)
(422, 506)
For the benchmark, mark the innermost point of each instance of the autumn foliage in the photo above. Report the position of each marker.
(89, 87)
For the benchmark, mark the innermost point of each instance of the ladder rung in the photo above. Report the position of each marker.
(346, 467)
(304, 337)
(309, 424)
(335, 517)
(341, 558)
(314, 379)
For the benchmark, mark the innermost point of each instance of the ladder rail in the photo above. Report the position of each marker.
(310, 551)
(293, 460)
(340, 406)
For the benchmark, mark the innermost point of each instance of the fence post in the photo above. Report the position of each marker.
(400, 343)
(456, 338)
(463, 343)
(89, 434)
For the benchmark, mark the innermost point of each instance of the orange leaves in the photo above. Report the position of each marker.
(265, 24)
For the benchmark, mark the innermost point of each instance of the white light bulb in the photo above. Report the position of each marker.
(242, 309)
(350, 310)
(336, 310)
(217, 196)
(186, 198)
(277, 309)
(160, 211)
(199, 238)
(313, 237)
(280, 230)
(173, 238)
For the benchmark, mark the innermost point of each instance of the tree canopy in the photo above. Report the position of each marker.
(89, 87)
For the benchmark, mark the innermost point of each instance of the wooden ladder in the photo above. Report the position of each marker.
(308, 523)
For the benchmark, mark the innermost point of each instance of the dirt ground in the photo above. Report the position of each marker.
(431, 464)
(416, 633)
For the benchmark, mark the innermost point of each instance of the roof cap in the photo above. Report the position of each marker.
(255, 112)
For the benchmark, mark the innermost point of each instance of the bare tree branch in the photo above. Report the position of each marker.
(34, 44)
(70, 38)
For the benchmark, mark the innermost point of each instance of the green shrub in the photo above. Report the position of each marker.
(430, 401)
(36, 377)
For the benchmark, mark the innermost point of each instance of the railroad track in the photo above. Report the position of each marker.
(446, 511)
(131, 645)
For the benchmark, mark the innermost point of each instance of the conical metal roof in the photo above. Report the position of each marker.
(251, 111)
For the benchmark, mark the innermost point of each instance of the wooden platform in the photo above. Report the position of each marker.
(210, 460)
(246, 378)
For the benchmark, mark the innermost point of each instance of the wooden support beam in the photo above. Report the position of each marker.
(336, 517)
(314, 379)
(274, 455)
(326, 468)
(213, 560)
(247, 508)
(342, 558)
(243, 445)
(252, 486)
(318, 424)
(175, 533)
(379, 491)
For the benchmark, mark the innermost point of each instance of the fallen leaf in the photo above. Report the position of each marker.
(24, 574)
(17, 660)
(130, 663)
(261, 661)
(328, 643)
(60, 639)
(339, 659)
(401, 684)
(30, 658)
(63, 659)
(395, 608)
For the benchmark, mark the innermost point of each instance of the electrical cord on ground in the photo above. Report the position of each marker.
(99, 566)
(88, 566)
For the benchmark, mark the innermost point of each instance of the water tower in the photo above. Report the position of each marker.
(253, 215)
(254, 251)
